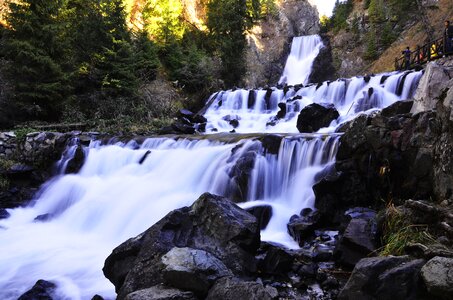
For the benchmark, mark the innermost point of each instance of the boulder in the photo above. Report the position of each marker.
(263, 214)
(393, 277)
(213, 224)
(398, 108)
(160, 292)
(274, 259)
(240, 174)
(359, 240)
(316, 116)
(233, 289)
(323, 69)
(437, 274)
(193, 270)
(302, 226)
(42, 290)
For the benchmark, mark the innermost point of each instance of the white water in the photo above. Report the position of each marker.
(304, 50)
(114, 197)
(350, 96)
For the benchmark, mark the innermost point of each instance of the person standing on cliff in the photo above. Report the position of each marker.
(448, 37)
(407, 58)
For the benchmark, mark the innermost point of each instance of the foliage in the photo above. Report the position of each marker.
(34, 45)
(398, 233)
(371, 51)
(376, 11)
(341, 12)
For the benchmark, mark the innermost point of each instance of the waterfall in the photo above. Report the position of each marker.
(304, 50)
(256, 110)
(124, 188)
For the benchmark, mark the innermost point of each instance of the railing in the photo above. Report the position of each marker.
(422, 54)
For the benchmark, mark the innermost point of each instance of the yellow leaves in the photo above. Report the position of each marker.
(163, 19)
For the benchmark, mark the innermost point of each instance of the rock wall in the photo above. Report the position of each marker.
(269, 41)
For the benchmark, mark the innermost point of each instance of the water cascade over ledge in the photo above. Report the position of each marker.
(76, 220)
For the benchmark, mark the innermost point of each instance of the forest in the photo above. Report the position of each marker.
(79, 60)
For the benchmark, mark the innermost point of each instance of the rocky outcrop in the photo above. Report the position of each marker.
(438, 277)
(269, 41)
(42, 290)
(385, 278)
(28, 161)
(316, 116)
(323, 69)
(233, 289)
(213, 227)
(381, 155)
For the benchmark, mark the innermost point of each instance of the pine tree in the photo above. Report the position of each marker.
(36, 49)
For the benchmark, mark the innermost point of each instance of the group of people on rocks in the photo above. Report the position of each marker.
(435, 50)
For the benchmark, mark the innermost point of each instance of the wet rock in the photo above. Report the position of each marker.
(282, 112)
(385, 278)
(180, 127)
(43, 218)
(160, 292)
(75, 164)
(309, 270)
(275, 259)
(42, 290)
(271, 143)
(437, 274)
(240, 173)
(302, 226)
(398, 108)
(316, 116)
(213, 224)
(323, 69)
(234, 289)
(263, 214)
(97, 297)
(359, 238)
(4, 213)
(193, 270)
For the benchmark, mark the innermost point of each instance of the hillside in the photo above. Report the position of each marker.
(375, 32)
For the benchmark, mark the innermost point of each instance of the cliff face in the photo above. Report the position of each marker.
(269, 41)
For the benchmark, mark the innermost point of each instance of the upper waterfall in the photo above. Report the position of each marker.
(304, 50)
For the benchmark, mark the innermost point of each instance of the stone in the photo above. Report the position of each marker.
(437, 274)
(160, 292)
(275, 260)
(358, 240)
(398, 108)
(301, 227)
(193, 270)
(316, 116)
(213, 224)
(233, 289)
(240, 174)
(271, 143)
(42, 290)
(263, 214)
(4, 213)
(393, 277)
(323, 69)
(432, 84)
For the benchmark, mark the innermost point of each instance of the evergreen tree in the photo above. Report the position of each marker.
(36, 49)
(145, 56)
(227, 22)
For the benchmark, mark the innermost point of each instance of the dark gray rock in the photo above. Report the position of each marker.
(240, 174)
(42, 290)
(160, 292)
(263, 214)
(193, 270)
(4, 213)
(385, 278)
(437, 274)
(302, 226)
(358, 240)
(398, 108)
(213, 224)
(316, 116)
(234, 289)
(274, 259)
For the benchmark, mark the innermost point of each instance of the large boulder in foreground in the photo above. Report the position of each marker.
(393, 277)
(316, 116)
(213, 224)
(438, 277)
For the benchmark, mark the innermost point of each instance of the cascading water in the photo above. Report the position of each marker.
(122, 189)
(304, 50)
